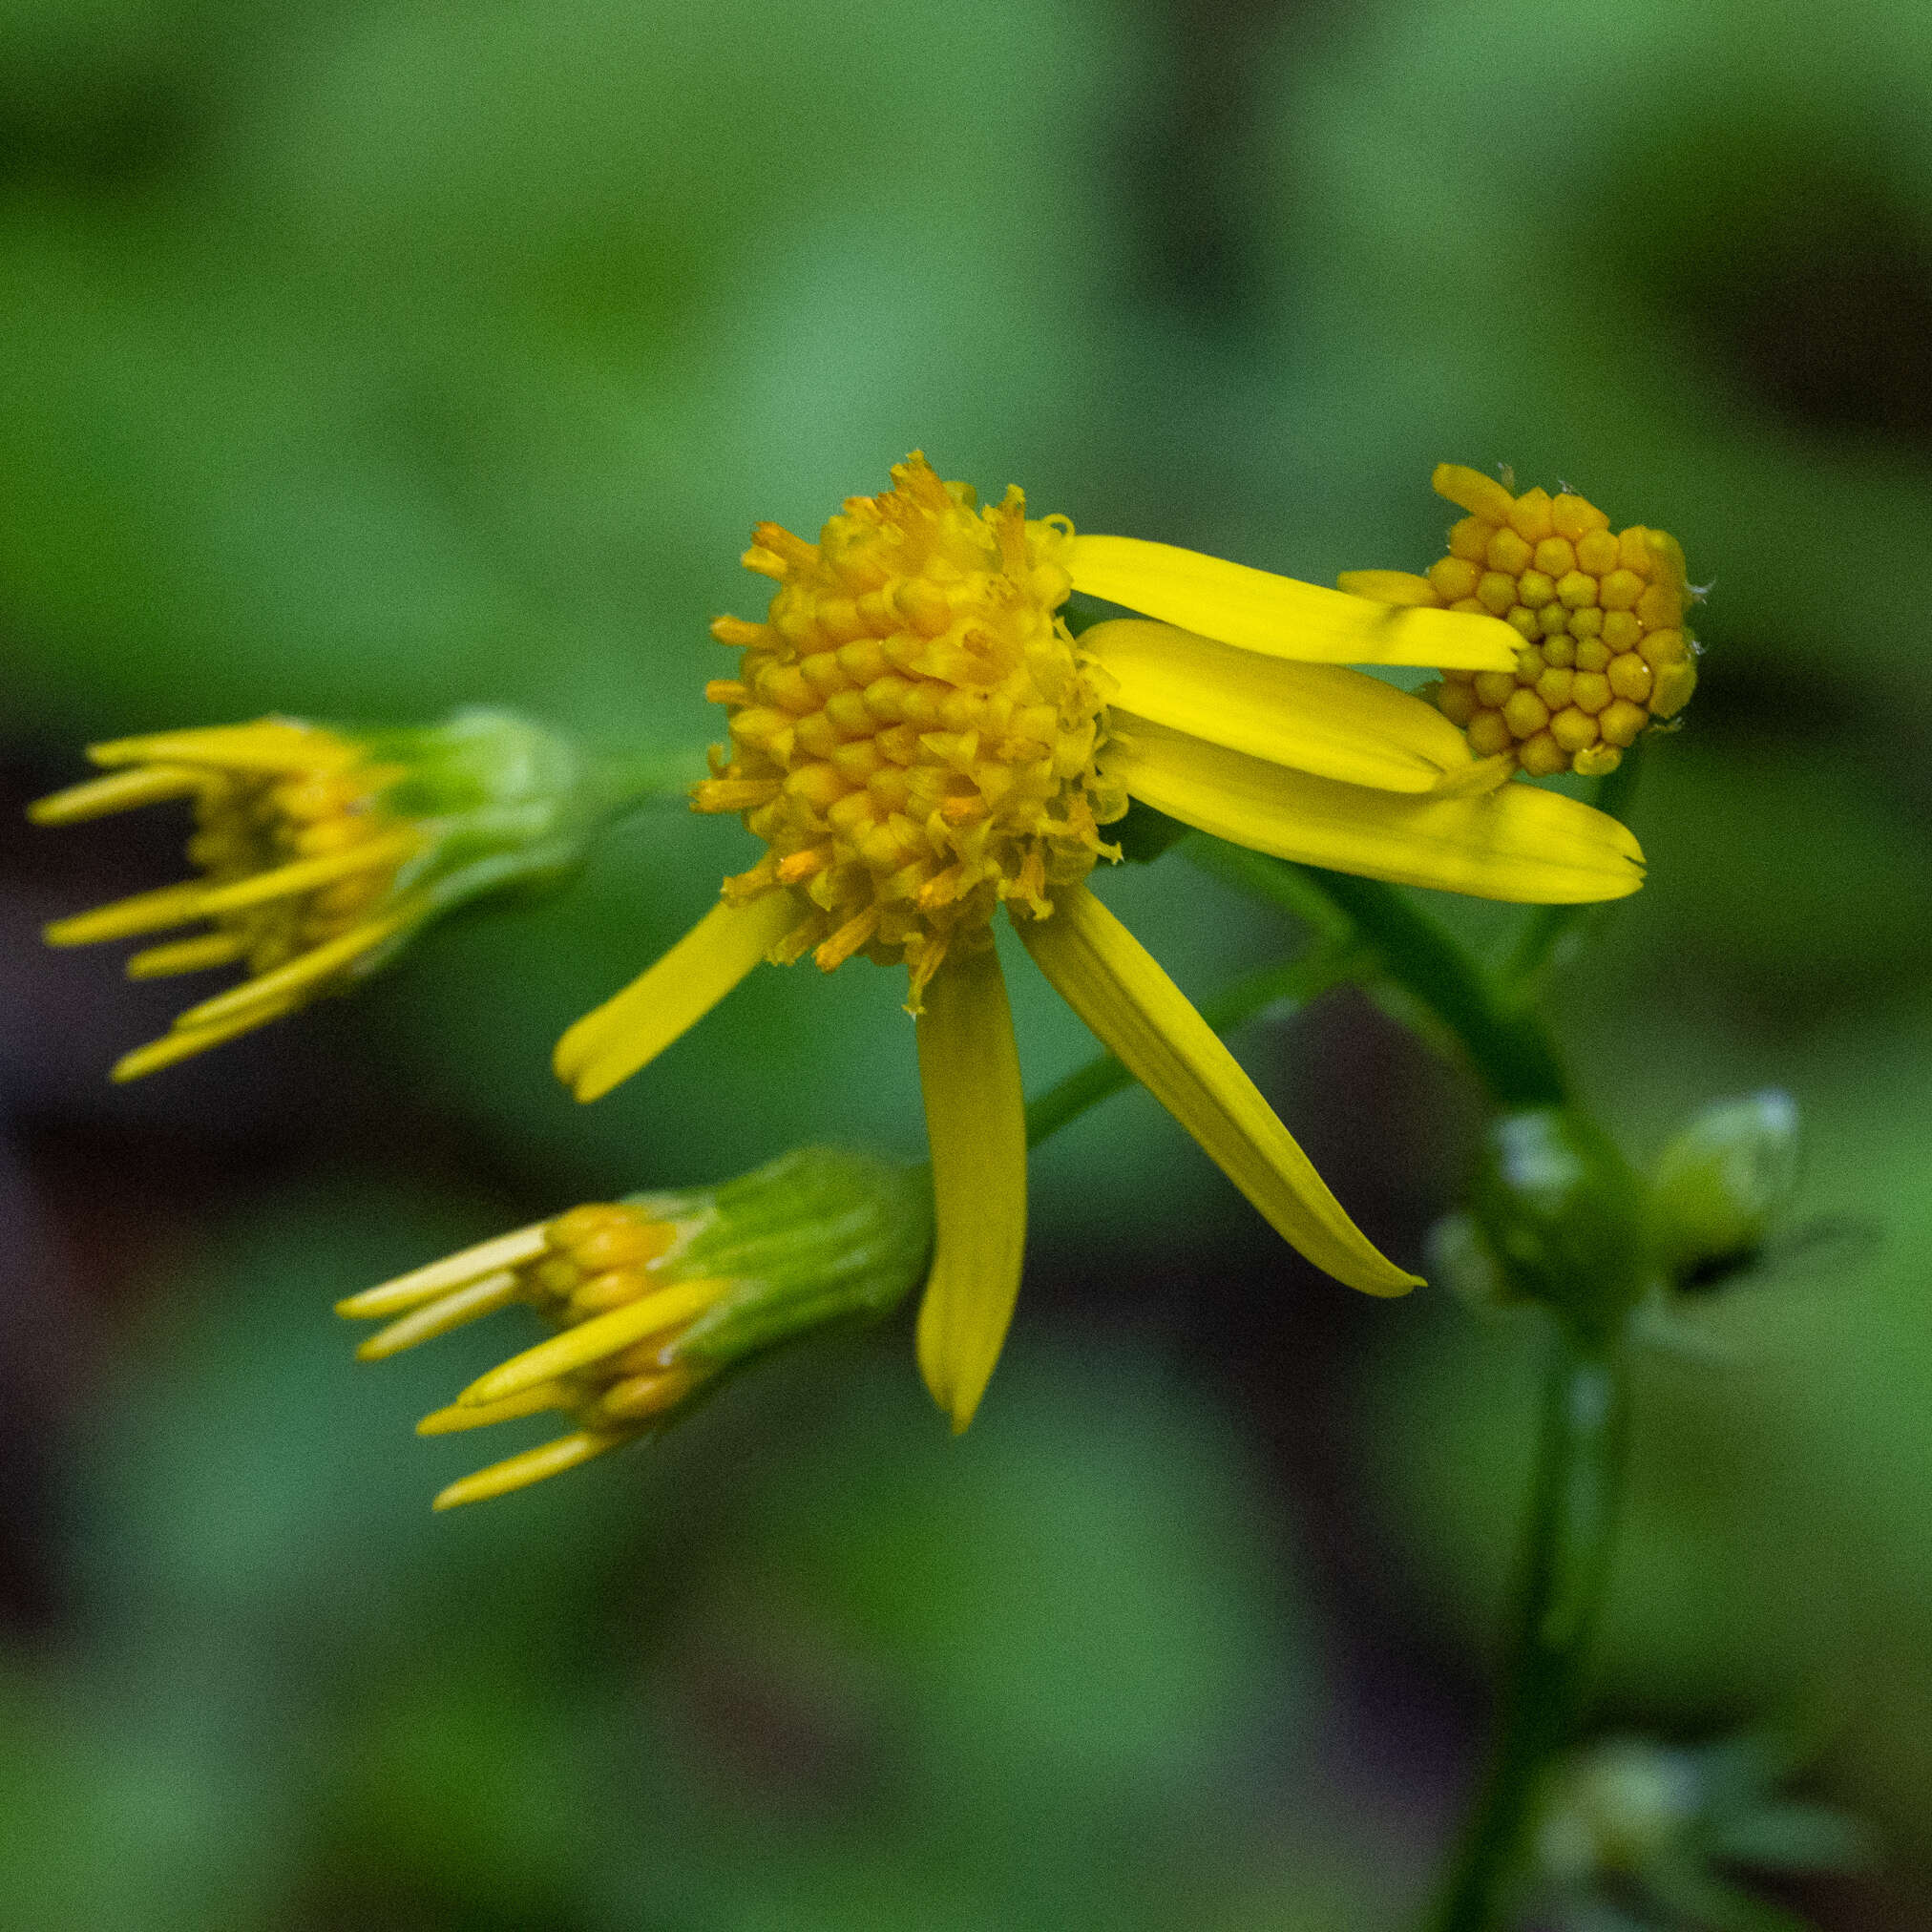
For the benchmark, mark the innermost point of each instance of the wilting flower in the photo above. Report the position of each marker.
(656, 1295)
(322, 851)
(917, 738)
(1604, 652)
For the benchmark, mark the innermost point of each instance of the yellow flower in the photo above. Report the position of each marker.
(917, 738)
(1604, 650)
(657, 1294)
(322, 852)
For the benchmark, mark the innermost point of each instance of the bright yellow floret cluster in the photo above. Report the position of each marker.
(912, 729)
(248, 823)
(1601, 613)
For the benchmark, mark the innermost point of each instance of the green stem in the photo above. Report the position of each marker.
(1615, 793)
(625, 780)
(1509, 1044)
(1297, 982)
(1559, 1593)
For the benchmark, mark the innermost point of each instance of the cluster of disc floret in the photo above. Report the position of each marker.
(912, 727)
(1601, 613)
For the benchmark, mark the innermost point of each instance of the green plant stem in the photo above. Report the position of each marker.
(625, 780)
(1296, 983)
(1508, 1044)
(1559, 1594)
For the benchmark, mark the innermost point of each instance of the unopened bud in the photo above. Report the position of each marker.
(323, 851)
(657, 1294)
(1719, 1184)
(1561, 1213)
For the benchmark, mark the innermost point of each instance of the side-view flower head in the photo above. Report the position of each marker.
(1602, 651)
(324, 850)
(656, 1295)
(917, 738)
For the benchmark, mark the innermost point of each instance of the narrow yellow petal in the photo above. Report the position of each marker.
(1320, 718)
(1472, 491)
(534, 1465)
(305, 875)
(268, 744)
(187, 955)
(1388, 586)
(591, 1341)
(1280, 617)
(1516, 842)
(298, 976)
(185, 1042)
(610, 1044)
(460, 1416)
(145, 912)
(466, 1304)
(975, 1121)
(425, 1284)
(1111, 981)
(118, 792)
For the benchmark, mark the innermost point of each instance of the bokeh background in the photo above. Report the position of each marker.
(370, 356)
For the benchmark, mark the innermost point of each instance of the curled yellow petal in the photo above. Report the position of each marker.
(591, 1341)
(1279, 616)
(1320, 718)
(1111, 981)
(469, 1303)
(266, 746)
(279, 989)
(534, 1465)
(608, 1045)
(975, 1121)
(152, 912)
(118, 792)
(425, 1284)
(462, 1415)
(1472, 491)
(1515, 842)
(184, 1043)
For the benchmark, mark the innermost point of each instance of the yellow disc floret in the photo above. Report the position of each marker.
(1601, 613)
(912, 727)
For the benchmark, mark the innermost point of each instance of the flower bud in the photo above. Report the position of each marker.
(1718, 1186)
(324, 850)
(656, 1294)
(1561, 1213)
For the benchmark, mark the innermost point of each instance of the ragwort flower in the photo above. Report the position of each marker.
(918, 739)
(1604, 651)
(656, 1295)
(322, 851)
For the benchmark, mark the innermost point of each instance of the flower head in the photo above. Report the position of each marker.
(655, 1295)
(323, 851)
(917, 738)
(1603, 653)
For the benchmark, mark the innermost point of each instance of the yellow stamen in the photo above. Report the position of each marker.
(424, 1284)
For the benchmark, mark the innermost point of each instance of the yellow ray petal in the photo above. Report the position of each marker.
(425, 1284)
(1388, 586)
(297, 976)
(1279, 617)
(304, 876)
(534, 1465)
(1111, 981)
(460, 1416)
(1514, 843)
(185, 1042)
(187, 955)
(591, 1341)
(610, 1044)
(268, 744)
(975, 1119)
(118, 792)
(469, 1303)
(145, 912)
(1320, 718)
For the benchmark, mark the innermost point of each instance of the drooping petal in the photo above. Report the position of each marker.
(534, 1465)
(975, 1121)
(425, 1284)
(1320, 718)
(608, 1045)
(456, 1309)
(1111, 981)
(1279, 616)
(1516, 842)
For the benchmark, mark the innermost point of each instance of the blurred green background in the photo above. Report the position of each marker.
(369, 357)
